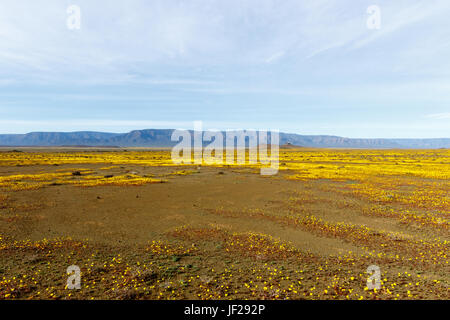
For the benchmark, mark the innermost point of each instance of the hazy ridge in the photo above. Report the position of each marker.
(162, 138)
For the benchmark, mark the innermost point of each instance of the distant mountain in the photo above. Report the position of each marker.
(86, 138)
(144, 138)
(338, 142)
(423, 143)
(161, 138)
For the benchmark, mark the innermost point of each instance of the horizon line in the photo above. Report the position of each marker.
(228, 130)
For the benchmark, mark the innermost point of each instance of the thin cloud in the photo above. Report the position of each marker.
(439, 116)
(275, 57)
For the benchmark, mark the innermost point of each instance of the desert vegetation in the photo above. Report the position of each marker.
(141, 227)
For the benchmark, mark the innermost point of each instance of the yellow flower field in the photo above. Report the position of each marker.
(141, 227)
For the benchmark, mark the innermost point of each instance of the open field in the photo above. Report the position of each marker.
(140, 227)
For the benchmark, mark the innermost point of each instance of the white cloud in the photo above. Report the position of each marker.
(275, 56)
(439, 116)
(116, 39)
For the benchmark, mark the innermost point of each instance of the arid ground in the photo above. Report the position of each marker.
(140, 227)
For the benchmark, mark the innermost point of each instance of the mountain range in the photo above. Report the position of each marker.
(161, 138)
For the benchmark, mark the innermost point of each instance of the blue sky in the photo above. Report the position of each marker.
(308, 67)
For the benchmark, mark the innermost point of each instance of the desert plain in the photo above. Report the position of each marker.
(141, 227)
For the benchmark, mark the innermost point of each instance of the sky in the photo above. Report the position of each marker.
(309, 67)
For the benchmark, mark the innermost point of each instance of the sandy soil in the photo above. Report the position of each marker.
(212, 233)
